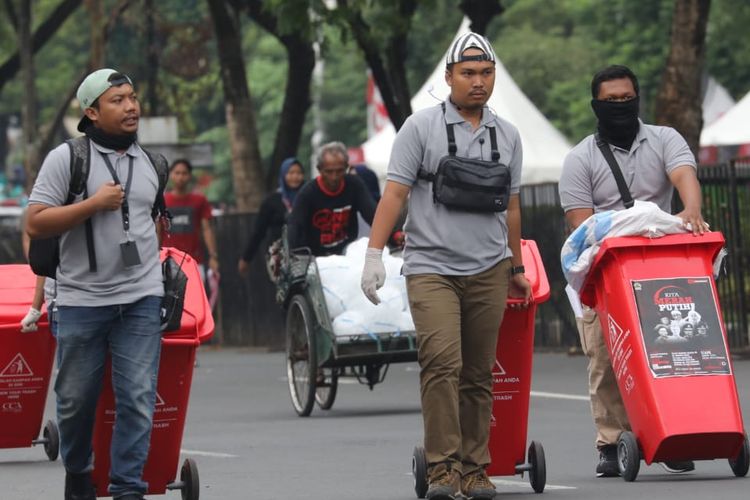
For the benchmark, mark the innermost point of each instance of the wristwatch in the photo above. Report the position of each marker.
(517, 270)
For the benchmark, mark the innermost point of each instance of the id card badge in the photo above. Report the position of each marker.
(130, 256)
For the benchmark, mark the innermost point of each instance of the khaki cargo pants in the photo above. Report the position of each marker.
(457, 320)
(607, 408)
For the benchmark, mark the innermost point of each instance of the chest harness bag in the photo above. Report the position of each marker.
(468, 184)
(44, 253)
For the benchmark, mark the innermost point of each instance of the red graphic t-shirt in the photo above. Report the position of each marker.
(187, 213)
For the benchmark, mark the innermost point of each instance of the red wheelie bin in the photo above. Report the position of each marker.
(659, 309)
(25, 366)
(173, 391)
(511, 389)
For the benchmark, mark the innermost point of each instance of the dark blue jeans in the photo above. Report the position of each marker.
(130, 332)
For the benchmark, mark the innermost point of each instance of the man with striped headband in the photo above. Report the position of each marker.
(460, 265)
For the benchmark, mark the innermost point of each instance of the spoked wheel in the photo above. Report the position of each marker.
(419, 471)
(741, 463)
(628, 456)
(51, 440)
(538, 470)
(326, 386)
(301, 358)
(189, 478)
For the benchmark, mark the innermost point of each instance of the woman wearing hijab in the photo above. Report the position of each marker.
(274, 210)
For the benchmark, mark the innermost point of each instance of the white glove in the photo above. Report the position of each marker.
(373, 274)
(28, 323)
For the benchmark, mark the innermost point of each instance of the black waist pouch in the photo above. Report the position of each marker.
(471, 185)
(173, 302)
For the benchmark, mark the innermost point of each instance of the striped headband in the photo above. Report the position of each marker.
(467, 41)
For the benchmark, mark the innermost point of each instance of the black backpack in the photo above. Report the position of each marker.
(44, 253)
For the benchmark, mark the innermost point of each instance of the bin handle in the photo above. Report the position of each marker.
(180, 341)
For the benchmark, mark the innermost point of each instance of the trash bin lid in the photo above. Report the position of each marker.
(535, 273)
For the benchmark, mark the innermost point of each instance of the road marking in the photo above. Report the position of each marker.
(524, 484)
(559, 395)
(509, 482)
(213, 454)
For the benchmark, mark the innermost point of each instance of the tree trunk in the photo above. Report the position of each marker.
(96, 14)
(296, 105)
(243, 138)
(28, 105)
(679, 103)
(361, 31)
(481, 12)
(152, 56)
(396, 58)
(297, 101)
(49, 27)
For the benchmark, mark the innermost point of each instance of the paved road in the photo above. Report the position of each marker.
(248, 442)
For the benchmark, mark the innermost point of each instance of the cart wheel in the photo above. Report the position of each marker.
(538, 471)
(51, 440)
(419, 471)
(326, 394)
(628, 456)
(301, 358)
(741, 463)
(189, 477)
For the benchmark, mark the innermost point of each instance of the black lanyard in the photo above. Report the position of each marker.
(125, 208)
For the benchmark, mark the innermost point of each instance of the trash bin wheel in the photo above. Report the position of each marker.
(419, 471)
(51, 440)
(628, 456)
(189, 478)
(325, 393)
(301, 357)
(741, 462)
(538, 470)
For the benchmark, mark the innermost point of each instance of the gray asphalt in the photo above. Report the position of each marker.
(248, 442)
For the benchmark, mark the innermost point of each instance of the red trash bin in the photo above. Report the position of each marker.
(676, 381)
(25, 366)
(172, 394)
(511, 389)
(512, 382)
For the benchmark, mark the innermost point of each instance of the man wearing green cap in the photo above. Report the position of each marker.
(460, 262)
(109, 284)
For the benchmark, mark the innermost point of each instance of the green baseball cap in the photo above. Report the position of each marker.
(95, 85)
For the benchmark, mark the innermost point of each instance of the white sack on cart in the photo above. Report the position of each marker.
(349, 310)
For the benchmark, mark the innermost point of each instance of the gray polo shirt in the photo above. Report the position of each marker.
(438, 239)
(113, 283)
(587, 181)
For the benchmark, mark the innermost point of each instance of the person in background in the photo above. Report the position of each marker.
(191, 218)
(274, 210)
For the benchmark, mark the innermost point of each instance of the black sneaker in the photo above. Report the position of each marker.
(131, 496)
(79, 486)
(678, 467)
(607, 466)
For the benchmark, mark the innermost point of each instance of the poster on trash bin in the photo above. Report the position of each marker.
(680, 327)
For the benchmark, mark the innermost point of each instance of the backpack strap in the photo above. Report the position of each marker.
(159, 162)
(622, 186)
(80, 166)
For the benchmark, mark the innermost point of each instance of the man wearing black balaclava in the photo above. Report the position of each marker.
(653, 161)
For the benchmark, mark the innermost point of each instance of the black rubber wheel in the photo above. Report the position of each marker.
(628, 456)
(538, 471)
(301, 358)
(741, 462)
(191, 488)
(325, 393)
(419, 471)
(51, 440)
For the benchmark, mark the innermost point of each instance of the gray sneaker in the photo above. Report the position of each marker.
(678, 466)
(477, 486)
(444, 482)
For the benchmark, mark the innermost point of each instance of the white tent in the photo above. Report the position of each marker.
(544, 147)
(716, 101)
(732, 128)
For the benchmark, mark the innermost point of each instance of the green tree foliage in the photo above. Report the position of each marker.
(728, 47)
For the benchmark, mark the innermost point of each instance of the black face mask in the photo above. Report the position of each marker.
(618, 121)
(111, 141)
